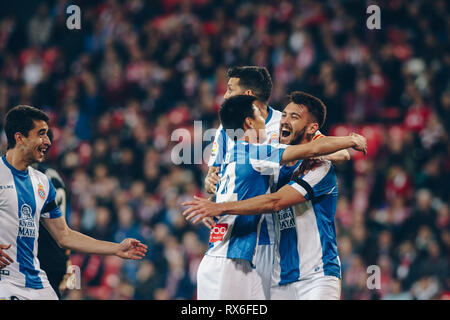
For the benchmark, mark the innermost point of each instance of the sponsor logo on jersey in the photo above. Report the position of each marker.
(286, 219)
(214, 148)
(41, 191)
(218, 232)
(27, 228)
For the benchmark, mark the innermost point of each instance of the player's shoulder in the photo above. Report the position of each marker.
(318, 173)
(41, 178)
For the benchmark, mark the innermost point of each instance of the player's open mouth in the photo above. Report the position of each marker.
(42, 150)
(285, 132)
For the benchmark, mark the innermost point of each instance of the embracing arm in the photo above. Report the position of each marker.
(323, 146)
(74, 240)
(283, 198)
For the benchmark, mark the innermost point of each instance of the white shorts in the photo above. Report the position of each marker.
(10, 291)
(264, 266)
(314, 288)
(220, 278)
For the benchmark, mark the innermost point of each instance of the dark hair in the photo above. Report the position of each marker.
(234, 110)
(20, 119)
(253, 78)
(315, 106)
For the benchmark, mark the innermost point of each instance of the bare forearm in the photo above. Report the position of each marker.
(77, 241)
(260, 204)
(323, 146)
(338, 157)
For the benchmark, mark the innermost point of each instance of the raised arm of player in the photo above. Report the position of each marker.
(201, 208)
(74, 240)
(323, 146)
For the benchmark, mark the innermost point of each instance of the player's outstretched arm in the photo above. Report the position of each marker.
(324, 146)
(200, 208)
(74, 240)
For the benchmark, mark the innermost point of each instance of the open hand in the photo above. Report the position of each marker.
(131, 249)
(200, 209)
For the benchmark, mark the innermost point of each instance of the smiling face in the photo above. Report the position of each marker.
(35, 146)
(295, 124)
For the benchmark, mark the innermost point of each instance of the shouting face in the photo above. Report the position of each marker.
(294, 124)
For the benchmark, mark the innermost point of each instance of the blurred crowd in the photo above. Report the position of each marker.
(117, 88)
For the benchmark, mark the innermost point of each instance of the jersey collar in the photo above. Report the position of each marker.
(269, 116)
(14, 170)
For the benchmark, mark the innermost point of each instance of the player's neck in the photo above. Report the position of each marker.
(262, 108)
(16, 160)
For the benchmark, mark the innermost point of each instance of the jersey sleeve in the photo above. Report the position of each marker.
(218, 149)
(51, 209)
(316, 183)
(266, 158)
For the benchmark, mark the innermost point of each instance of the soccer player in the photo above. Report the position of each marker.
(306, 260)
(255, 81)
(26, 195)
(227, 269)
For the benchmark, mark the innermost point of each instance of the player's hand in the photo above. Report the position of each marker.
(211, 180)
(200, 208)
(360, 143)
(208, 222)
(131, 249)
(5, 260)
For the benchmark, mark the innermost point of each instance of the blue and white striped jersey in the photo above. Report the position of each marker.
(305, 233)
(222, 143)
(25, 197)
(248, 171)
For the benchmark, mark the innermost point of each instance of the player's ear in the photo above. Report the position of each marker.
(312, 128)
(19, 137)
(249, 92)
(249, 123)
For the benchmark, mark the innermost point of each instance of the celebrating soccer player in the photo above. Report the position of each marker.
(26, 196)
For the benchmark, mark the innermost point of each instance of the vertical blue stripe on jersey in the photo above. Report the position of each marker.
(269, 116)
(264, 237)
(289, 257)
(25, 245)
(323, 206)
(221, 148)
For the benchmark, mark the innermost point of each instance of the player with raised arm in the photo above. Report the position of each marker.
(26, 196)
(255, 81)
(306, 260)
(249, 168)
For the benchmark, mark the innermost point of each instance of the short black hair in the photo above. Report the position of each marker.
(253, 78)
(20, 119)
(315, 106)
(234, 110)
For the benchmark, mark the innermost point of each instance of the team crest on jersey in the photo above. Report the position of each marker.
(41, 191)
(273, 138)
